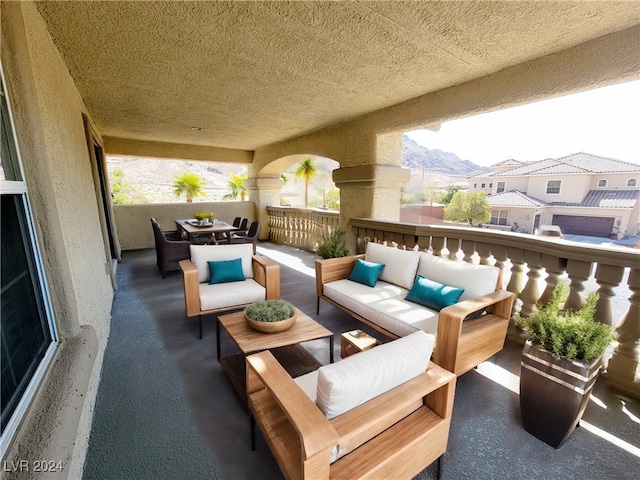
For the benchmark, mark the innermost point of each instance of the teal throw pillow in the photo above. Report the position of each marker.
(226, 271)
(366, 273)
(432, 294)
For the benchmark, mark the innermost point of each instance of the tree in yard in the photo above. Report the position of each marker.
(470, 207)
(236, 184)
(448, 195)
(307, 170)
(190, 184)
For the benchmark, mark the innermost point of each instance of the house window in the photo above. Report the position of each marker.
(602, 183)
(491, 185)
(28, 332)
(475, 185)
(632, 182)
(499, 217)
(553, 187)
(482, 185)
(500, 188)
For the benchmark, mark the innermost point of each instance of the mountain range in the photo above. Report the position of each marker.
(416, 157)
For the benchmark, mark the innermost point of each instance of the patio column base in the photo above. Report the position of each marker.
(623, 374)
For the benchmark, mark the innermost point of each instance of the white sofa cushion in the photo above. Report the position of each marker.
(359, 378)
(222, 295)
(201, 254)
(399, 265)
(402, 317)
(346, 290)
(477, 280)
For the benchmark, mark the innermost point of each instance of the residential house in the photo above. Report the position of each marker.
(583, 194)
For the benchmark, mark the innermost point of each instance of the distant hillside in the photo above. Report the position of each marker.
(415, 157)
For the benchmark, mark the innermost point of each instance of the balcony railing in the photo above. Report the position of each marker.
(300, 227)
(531, 268)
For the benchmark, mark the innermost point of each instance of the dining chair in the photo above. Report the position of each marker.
(250, 237)
(170, 248)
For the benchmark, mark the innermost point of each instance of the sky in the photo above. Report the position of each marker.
(603, 122)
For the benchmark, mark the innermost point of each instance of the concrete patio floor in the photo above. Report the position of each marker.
(166, 410)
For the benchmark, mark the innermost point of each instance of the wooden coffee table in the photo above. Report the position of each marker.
(295, 359)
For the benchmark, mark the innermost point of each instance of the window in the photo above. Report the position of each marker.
(553, 187)
(632, 182)
(475, 185)
(500, 188)
(499, 217)
(491, 185)
(28, 333)
(482, 185)
(602, 183)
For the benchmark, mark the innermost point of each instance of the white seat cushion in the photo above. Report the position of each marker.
(477, 280)
(402, 317)
(201, 254)
(359, 378)
(222, 295)
(399, 265)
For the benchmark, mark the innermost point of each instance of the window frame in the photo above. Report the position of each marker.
(499, 188)
(628, 182)
(547, 192)
(499, 217)
(41, 287)
(606, 183)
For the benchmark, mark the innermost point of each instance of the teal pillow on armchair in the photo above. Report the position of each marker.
(226, 271)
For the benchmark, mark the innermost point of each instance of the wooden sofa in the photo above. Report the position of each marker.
(461, 343)
(262, 280)
(393, 435)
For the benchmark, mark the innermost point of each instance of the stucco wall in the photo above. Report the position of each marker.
(572, 189)
(614, 181)
(134, 226)
(48, 115)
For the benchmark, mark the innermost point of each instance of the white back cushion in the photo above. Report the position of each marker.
(399, 265)
(201, 254)
(359, 378)
(477, 280)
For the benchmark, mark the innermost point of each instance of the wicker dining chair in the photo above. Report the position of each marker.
(170, 248)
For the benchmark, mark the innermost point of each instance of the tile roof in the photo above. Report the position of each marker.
(605, 198)
(514, 198)
(508, 162)
(575, 163)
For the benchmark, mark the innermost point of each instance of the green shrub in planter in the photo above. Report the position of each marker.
(332, 246)
(574, 335)
(270, 310)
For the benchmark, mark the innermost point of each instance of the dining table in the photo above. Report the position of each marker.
(192, 230)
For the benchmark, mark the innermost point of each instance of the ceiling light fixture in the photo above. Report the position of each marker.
(196, 129)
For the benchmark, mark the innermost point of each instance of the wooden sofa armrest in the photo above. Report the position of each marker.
(267, 273)
(191, 287)
(315, 432)
(435, 388)
(332, 269)
(450, 324)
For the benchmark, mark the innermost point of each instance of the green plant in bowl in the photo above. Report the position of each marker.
(203, 216)
(270, 310)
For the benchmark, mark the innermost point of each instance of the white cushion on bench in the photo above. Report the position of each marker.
(201, 254)
(477, 280)
(359, 378)
(402, 317)
(399, 265)
(222, 295)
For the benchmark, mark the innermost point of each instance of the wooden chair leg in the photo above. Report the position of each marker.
(252, 422)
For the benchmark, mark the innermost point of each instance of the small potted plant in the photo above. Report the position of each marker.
(204, 217)
(560, 365)
(270, 316)
(332, 246)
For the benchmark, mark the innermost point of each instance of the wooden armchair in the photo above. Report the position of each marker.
(261, 280)
(394, 435)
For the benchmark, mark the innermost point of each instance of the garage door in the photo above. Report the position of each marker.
(592, 226)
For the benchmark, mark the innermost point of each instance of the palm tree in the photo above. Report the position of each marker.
(188, 183)
(306, 170)
(236, 184)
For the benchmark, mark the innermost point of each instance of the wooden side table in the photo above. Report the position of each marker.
(355, 341)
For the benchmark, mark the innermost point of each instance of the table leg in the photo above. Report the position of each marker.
(217, 337)
(331, 349)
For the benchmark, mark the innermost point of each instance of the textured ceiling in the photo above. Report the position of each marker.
(254, 73)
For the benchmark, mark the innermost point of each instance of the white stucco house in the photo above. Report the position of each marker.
(583, 194)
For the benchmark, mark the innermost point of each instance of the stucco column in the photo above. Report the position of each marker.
(264, 192)
(369, 191)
